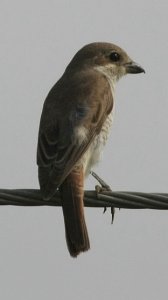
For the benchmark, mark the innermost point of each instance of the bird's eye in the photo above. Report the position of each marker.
(114, 56)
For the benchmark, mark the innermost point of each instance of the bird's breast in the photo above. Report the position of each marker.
(93, 154)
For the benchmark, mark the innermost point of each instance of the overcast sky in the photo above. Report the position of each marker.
(129, 259)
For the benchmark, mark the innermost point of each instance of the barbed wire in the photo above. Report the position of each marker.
(121, 199)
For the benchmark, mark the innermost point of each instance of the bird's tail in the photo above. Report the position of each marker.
(73, 210)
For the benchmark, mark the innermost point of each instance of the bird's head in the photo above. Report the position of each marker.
(105, 57)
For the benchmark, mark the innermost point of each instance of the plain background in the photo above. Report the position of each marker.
(129, 259)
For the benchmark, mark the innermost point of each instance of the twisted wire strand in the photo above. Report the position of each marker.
(130, 200)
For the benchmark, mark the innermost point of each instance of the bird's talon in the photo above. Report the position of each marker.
(103, 188)
(105, 208)
(98, 189)
(112, 214)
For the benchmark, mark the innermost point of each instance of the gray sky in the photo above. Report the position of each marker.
(128, 260)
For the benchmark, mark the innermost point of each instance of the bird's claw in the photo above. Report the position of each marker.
(105, 208)
(112, 214)
(103, 188)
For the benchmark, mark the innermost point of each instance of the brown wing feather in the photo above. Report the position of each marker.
(86, 102)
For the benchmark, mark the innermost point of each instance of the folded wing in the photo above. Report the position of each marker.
(66, 110)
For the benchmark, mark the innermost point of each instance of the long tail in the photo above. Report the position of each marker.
(72, 203)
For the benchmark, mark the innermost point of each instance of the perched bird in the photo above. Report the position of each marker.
(75, 122)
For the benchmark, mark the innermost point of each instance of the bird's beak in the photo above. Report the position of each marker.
(133, 68)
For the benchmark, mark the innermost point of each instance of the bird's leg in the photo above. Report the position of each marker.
(104, 187)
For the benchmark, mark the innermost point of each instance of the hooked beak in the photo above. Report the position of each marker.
(133, 68)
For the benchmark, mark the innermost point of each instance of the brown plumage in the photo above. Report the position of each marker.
(75, 226)
(74, 126)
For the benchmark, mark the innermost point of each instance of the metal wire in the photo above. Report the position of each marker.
(131, 200)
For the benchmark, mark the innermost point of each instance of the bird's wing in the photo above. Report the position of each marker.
(68, 126)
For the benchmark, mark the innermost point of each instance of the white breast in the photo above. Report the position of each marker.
(93, 154)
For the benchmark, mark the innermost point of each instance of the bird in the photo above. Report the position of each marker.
(75, 122)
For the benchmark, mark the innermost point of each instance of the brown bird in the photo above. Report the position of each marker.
(75, 122)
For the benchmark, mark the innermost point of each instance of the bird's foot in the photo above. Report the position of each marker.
(103, 188)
